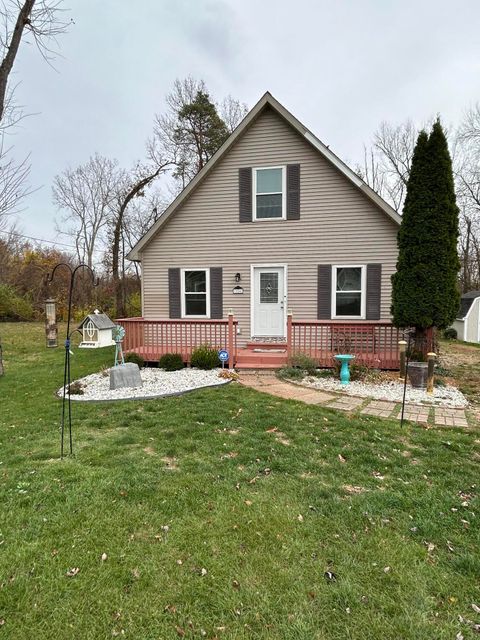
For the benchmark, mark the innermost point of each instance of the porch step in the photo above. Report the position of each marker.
(249, 359)
(267, 346)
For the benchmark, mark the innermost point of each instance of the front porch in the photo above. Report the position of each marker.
(374, 343)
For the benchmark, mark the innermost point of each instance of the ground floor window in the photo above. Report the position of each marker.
(348, 291)
(195, 293)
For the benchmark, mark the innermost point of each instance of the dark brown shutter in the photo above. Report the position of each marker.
(374, 291)
(245, 194)
(175, 307)
(216, 293)
(293, 192)
(324, 292)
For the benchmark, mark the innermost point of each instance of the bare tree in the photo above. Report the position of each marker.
(467, 176)
(193, 127)
(41, 19)
(232, 112)
(88, 196)
(386, 164)
(131, 186)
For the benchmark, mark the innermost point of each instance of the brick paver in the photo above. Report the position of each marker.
(346, 403)
(379, 408)
(450, 417)
(414, 413)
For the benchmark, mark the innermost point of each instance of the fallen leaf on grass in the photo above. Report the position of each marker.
(180, 631)
(300, 517)
(272, 430)
(73, 572)
(476, 608)
(203, 572)
(430, 547)
(136, 573)
(104, 557)
(341, 458)
(386, 569)
(248, 503)
(235, 584)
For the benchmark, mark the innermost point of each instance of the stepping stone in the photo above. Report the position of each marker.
(379, 408)
(346, 403)
(414, 413)
(450, 417)
(316, 397)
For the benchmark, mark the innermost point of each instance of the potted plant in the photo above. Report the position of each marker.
(417, 370)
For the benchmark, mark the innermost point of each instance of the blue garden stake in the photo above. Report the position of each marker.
(344, 370)
(118, 336)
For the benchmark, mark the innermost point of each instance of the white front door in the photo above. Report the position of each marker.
(269, 302)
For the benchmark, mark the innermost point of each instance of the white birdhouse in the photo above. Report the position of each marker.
(96, 331)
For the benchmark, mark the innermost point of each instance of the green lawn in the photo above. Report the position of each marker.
(219, 512)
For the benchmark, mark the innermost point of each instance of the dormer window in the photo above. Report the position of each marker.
(269, 193)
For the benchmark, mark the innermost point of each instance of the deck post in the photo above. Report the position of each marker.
(431, 366)
(289, 334)
(230, 339)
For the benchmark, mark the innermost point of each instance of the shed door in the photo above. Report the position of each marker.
(269, 302)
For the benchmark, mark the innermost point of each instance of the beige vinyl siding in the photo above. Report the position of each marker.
(338, 225)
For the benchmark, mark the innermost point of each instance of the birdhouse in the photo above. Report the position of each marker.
(96, 331)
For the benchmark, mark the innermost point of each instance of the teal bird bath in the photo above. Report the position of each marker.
(344, 359)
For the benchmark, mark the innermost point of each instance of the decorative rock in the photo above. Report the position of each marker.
(125, 375)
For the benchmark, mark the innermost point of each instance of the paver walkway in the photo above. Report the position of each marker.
(269, 383)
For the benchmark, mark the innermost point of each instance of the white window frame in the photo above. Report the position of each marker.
(363, 291)
(284, 193)
(184, 293)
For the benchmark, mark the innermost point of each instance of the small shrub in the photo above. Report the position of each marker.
(228, 375)
(291, 373)
(171, 362)
(304, 362)
(76, 389)
(450, 334)
(324, 373)
(205, 357)
(136, 358)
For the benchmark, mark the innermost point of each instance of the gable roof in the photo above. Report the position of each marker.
(100, 320)
(267, 100)
(466, 302)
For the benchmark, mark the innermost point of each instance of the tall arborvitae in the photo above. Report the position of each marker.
(425, 292)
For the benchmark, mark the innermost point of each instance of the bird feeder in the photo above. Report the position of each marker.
(96, 331)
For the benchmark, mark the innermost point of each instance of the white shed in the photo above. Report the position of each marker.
(96, 331)
(467, 323)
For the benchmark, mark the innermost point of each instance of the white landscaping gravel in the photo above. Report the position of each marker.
(443, 396)
(156, 382)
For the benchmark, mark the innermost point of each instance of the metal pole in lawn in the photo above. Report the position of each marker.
(407, 358)
(66, 369)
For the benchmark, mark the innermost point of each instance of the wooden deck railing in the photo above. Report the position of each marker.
(373, 343)
(152, 338)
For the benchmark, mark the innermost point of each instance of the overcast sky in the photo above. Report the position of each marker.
(340, 66)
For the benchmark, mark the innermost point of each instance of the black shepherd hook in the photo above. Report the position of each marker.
(407, 334)
(66, 370)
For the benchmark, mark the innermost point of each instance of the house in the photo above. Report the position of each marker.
(96, 331)
(467, 323)
(279, 231)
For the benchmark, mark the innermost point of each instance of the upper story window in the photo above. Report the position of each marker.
(195, 285)
(348, 291)
(269, 193)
